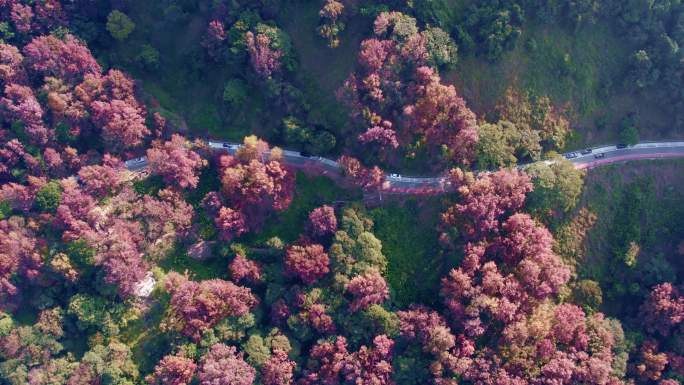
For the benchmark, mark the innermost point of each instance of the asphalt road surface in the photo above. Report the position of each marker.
(586, 159)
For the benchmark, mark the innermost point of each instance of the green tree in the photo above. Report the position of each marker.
(322, 142)
(96, 313)
(557, 186)
(497, 145)
(5, 210)
(588, 294)
(49, 196)
(235, 92)
(148, 57)
(119, 25)
(295, 132)
(112, 363)
(257, 350)
(440, 47)
(629, 133)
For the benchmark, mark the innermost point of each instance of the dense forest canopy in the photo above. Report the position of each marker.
(134, 251)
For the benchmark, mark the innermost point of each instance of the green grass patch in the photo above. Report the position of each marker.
(311, 192)
(179, 261)
(147, 342)
(409, 241)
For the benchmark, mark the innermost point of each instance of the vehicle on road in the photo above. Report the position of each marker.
(225, 145)
(600, 156)
(571, 155)
(395, 176)
(305, 154)
(586, 151)
(621, 145)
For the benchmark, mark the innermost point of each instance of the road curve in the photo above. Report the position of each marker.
(394, 183)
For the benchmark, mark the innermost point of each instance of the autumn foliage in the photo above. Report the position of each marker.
(396, 109)
(308, 262)
(172, 370)
(197, 306)
(176, 162)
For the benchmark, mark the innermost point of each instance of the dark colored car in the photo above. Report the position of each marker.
(600, 156)
(586, 151)
(621, 145)
(305, 154)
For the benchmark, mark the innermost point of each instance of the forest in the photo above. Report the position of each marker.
(341, 192)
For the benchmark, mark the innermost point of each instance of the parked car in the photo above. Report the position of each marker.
(394, 176)
(225, 145)
(600, 155)
(586, 151)
(571, 155)
(621, 145)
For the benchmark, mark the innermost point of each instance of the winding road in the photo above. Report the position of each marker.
(394, 183)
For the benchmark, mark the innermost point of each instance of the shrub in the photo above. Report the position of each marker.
(119, 25)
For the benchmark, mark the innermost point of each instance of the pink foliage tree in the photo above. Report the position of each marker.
(326, 361)
(20, 104)
(308, 262)
(322, 221)
(399, 100)
(451, 353)
(242, 268)
(123, 124)
(198, 306)
(319, 319)
(18, 196)
(278, 370)
(371, 365)
(265, 60)
(66, 58)
(19, 256)
(255, 183)
(527, 247)
(119, 253)
(651, 363)
(53, 162)
(485, 199)
(330, 363)
(214, 38)
(367, 289)
(368, 178)
(49, 14)
(73, 213)
(663, 310)
(223, 365)
(176, 162)
(104, 179)
(172, 370)
(11, 65)
(441, 114)
(230, 223)
(165, 218)
(21, 17)
(481, 290)
(382, 134)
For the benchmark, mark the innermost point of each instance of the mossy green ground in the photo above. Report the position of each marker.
(409, 241)
(640, 202)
